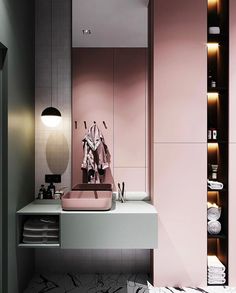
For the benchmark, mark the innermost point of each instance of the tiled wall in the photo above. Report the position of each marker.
(53, 146)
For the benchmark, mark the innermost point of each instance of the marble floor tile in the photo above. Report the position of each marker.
(107, 283)
(81, 283)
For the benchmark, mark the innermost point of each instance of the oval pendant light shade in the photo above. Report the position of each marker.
(51, 117)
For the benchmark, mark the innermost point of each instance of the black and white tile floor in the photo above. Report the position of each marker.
(107, 283)
(78, 283)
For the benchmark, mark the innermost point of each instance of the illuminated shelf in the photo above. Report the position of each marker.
(221, 236)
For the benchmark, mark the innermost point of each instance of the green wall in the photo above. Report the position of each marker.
(17, 34)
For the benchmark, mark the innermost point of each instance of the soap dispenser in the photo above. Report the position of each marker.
(51, 190)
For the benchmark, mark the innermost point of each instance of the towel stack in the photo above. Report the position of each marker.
(215, 270)
(41, 230)
(213, 215)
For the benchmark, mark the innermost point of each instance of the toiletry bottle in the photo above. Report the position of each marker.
(51, 189)
(42, 192)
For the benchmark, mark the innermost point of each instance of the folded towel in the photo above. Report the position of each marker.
(48, 234)
(214, 227)
(213, 213)
(40, 240)
(216, 282)
(216, 275)
(214, 265)
(214, 184)
(41, 224)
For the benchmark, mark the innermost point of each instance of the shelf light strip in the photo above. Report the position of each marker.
(212, 46)
(212, 96)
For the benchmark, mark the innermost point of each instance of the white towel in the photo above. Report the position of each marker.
(214, 227)
(213, 213)
(215, 270)
(216, 275)
(214, 184)
(213, 261)
(216, 282)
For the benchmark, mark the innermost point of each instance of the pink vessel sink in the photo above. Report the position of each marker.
(86, 200)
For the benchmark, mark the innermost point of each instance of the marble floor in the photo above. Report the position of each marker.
(107, 283)
(81, 283)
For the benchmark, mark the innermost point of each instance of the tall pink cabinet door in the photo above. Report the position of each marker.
(179, 179)
(232, 146)
(130, 114)
(232, 72)
(180, 191)
(180, 70)
(92, 99)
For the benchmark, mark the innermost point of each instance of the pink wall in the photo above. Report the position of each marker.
(232, 146)
(92, 99)
(110, 85)
(180, 146)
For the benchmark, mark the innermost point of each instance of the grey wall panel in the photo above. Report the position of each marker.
(17, 34)
(53, 146)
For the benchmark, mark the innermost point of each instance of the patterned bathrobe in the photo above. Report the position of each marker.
(96, 154)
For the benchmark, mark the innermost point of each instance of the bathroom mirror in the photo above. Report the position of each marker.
(110, 91)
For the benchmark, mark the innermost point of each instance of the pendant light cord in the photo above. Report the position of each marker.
(51, 45)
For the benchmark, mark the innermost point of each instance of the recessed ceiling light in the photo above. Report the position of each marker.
(86, 32)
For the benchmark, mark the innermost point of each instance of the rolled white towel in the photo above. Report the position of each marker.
(214, 227)
(214, 184)
(213, 213)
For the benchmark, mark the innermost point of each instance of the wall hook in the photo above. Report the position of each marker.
(104, 123)
(85, 125)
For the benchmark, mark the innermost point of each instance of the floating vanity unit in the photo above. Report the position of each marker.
(125, 225)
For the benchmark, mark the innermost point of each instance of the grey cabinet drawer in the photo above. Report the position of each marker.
(104, 230)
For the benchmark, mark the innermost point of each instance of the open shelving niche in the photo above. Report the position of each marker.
(218, 112)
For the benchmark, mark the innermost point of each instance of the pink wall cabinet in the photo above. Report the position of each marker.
(232, 72)
(92, 100)
(130, 111)
(180, 66)
(110, 85)
(179, 177)
(180, 198)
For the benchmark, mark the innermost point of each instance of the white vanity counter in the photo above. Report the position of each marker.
(132, 224)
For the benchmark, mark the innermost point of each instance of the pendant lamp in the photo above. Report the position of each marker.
(51, 116)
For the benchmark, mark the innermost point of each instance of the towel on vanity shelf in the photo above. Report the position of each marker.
(41, 224)
(40, 240)
(48, 234)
